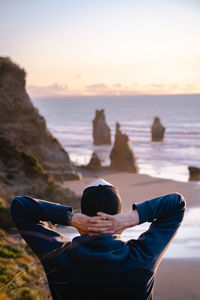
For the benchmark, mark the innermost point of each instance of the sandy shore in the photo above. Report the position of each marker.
(176, 278)
(135, 188)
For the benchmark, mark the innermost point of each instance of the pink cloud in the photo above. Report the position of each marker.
(98, 89)
(77, 76)
(53, 90)
(117, 89)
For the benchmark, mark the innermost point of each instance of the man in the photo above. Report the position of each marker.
(99, 263)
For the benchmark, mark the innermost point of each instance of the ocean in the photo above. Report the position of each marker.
(70, 121)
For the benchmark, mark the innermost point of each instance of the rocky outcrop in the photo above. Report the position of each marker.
(94, 163)
(122, 156)
(194, 173)
(22, 174)
(101, 131)
(157, 130)
(21, 123)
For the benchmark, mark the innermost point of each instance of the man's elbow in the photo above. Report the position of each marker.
(16, 206)
(180, 201)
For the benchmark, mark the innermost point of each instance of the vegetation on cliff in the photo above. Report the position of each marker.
(22, 124)
(7, 65)
(21, 274)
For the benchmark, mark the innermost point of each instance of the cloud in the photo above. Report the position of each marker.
(161, 88)
(138, 88)
(98, 89)
(97, 86)
(116, 89)
(53, 90)
(102, 89)
(117, 85)
(77, 76)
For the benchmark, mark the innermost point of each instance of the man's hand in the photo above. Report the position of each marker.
(82, 223)
(118, 223)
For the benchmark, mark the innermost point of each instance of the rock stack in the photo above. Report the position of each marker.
(94, 163)
(101, 131)
(157, 130)
(194, 173)
(122, 156)
(21, 123)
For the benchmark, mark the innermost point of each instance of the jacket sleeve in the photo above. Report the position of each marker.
(28, 215)
(165, 214)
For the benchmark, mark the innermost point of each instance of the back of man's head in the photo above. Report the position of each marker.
(100, 196)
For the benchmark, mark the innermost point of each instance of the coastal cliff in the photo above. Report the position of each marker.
(21, 123)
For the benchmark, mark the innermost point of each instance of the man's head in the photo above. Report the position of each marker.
(100, 196)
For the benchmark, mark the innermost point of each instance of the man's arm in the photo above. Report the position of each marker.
(28, 215)
(165, 214)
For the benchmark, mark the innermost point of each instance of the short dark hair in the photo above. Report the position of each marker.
(101, 198)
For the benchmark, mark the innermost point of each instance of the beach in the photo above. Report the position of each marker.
(177, 278)
(88, 90)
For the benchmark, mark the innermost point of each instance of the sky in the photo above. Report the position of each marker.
(103, 47)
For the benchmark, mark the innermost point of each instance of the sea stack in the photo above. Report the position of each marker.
(194, 173)
(122, 156)
(21, 123)
(101, 131)
(94, 163)
(157, 130)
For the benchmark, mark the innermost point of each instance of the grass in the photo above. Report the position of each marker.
(21, 274)
(6, 64)
(5, 218)
(31, 164)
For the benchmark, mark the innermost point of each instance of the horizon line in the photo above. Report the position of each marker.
(108, 96)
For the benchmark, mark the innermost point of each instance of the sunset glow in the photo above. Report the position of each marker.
(104, 47)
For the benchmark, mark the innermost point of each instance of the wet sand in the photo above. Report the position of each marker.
(178, 279)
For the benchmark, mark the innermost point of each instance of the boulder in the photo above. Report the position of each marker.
(101, 131)
(194, 173)
(21, 123)
(157, 130)
(122, 156)
(94, 163)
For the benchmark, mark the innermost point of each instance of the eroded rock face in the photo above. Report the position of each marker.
(157, 130)
(122, 156)
(194, 173)
(101, 131)
(21, 123)
(21, 174)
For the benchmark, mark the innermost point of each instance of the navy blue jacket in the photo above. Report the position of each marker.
(96, 266)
